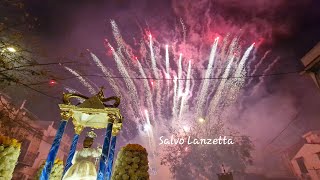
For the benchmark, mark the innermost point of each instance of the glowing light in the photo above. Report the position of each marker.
(201, 120)
(175, 88)
(167, 59)
(11, 49)
(52, 82)
(186, 128)
(146, 127)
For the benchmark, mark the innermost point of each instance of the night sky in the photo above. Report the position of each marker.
(289, 29)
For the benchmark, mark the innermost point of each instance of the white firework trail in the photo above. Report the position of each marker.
(107, 73)
(155, 72)
(117, 35)
(184, 30)
(150, 134)
(82, 80)
(240, 74)
(167, 62)
(229, 54)
(167, 73)
(127, 79)
(261, 80)
(147, 89)
(240, 68)
(214, 102)
(259, 64)
(185, 95)
(180, 82)
(206, 82)
(174, 108)
(153, 59)
(71, 90)
(146, 113)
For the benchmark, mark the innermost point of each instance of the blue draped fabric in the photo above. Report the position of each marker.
(71, 153)
(111, 156)
(53, 151)
(105, 149)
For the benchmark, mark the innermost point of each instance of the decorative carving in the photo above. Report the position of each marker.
(100, 95)
(65, 115)
(78, 129)
(117, 123)
(68, 96)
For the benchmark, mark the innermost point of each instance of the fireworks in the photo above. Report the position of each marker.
(165, 88)
(205, 85)
(82, 80)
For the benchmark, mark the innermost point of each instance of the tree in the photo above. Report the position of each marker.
(203, 161)
(23, 56)
(17, 43)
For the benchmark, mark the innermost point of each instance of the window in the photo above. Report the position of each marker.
(301, 165)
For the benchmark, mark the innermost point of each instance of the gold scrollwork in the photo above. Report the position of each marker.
(65, 115)
(116, 129)
(68, 96)
(112, 118)
(78, 129)
(117, 124)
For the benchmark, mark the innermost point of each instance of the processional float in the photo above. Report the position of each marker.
(92, 113)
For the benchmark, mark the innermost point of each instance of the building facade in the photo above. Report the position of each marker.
(36, 137)
(311, 61)
(306, 162)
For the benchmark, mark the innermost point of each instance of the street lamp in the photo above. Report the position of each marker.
(201, 120)
(11, 49)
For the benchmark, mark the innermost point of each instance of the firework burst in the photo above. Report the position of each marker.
(164, 88)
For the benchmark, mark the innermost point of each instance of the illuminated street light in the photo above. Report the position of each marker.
(201, 120)
(11, 49)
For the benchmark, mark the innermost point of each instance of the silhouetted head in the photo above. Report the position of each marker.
(87, 143)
